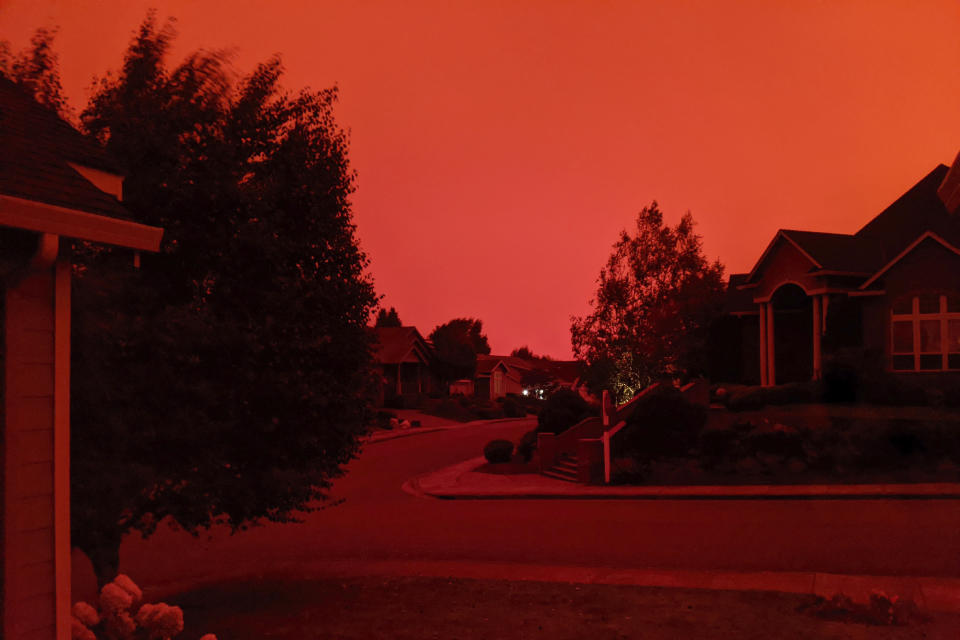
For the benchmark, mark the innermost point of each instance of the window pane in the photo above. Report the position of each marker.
(929, 336)
(953, 303)
(903, 363)
(903, 307)
(903, 338)
(930, 303)
(953, 361)
(931, 362)
(953, 336)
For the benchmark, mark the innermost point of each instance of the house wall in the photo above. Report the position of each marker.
(35, 466)
(930, 268)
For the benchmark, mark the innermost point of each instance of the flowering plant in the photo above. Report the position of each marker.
(121, 616)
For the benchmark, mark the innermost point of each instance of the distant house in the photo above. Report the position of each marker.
(405, 362)
(498, 376)
(890, 291)
(55, 185)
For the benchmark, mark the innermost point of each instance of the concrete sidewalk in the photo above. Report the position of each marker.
(463, 481)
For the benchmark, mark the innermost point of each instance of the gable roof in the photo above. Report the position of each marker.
(917, 211)
(397, 344)
(41, 191)
(929, 235)
(837, 251)
(36, 149)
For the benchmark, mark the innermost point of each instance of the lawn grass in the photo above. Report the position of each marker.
(418, 608)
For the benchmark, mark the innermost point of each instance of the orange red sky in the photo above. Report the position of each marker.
(502, 145)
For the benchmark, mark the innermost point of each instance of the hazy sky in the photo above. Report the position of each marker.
(501, 146)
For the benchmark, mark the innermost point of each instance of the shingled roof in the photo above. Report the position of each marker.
(839, 252)
(395, 345)
(36, 149)
(919, 210)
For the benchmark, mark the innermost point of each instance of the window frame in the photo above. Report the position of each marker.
(915, 318)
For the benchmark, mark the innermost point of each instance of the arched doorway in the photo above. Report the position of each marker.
(793, 334)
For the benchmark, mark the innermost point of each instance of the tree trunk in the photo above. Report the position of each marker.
(104, 555)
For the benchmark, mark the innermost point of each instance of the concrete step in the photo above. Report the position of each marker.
(567, 466)
(560, 475)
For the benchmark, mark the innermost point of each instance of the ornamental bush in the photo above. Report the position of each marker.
(121, 616)
(498, 451)
(664, 424)
(563, 409)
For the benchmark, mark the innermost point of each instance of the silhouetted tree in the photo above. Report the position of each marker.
(388, 318)
(456, 345)
(227, 380)
(523, 353)
(655, 301)
(36, 69)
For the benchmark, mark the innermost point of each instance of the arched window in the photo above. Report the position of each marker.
(925, 333)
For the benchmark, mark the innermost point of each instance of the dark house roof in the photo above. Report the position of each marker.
(918, 211)
(839, 252)
(36, 147)
(400, 344)
(738, 300)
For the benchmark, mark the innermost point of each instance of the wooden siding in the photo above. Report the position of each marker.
(29, 569)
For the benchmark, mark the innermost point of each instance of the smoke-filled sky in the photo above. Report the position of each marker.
(501, 145)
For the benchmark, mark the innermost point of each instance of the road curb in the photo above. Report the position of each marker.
(453, 483)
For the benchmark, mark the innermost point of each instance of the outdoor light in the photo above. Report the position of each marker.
(526, 392)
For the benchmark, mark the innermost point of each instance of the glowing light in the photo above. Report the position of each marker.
(526, 392)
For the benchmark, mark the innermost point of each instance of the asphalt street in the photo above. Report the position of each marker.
(380, 522)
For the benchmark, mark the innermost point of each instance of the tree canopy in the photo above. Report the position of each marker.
(226, 380)
(388, 318)
(656, 298)
(456, 344)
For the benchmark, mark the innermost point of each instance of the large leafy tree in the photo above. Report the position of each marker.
(656, 299)
(226, 380)
(456, 344)
(36, 69)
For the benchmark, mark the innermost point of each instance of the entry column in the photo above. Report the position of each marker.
(771, 355)
(817, 329)
(763, 344)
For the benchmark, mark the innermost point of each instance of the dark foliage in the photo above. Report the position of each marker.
(227, 380)
(562, 410)
(456, 345)
(513, 408)
(498, 451)
(388, 318)
(664, 424)
(527, 445)
(656, 300)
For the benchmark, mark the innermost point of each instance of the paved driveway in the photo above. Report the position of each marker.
(380, 522)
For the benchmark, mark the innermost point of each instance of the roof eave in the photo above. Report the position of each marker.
(72, 223)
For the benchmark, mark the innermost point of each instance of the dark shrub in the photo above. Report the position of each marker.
(498, 451)
(513, 408)
(775, 440)
(887, 389)
(563, 409)
(664, 424)
(488, 412)
(452, 410)
(749, 398)
(527, 445)
(382, 418)
(718, 446)
(840, 380)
